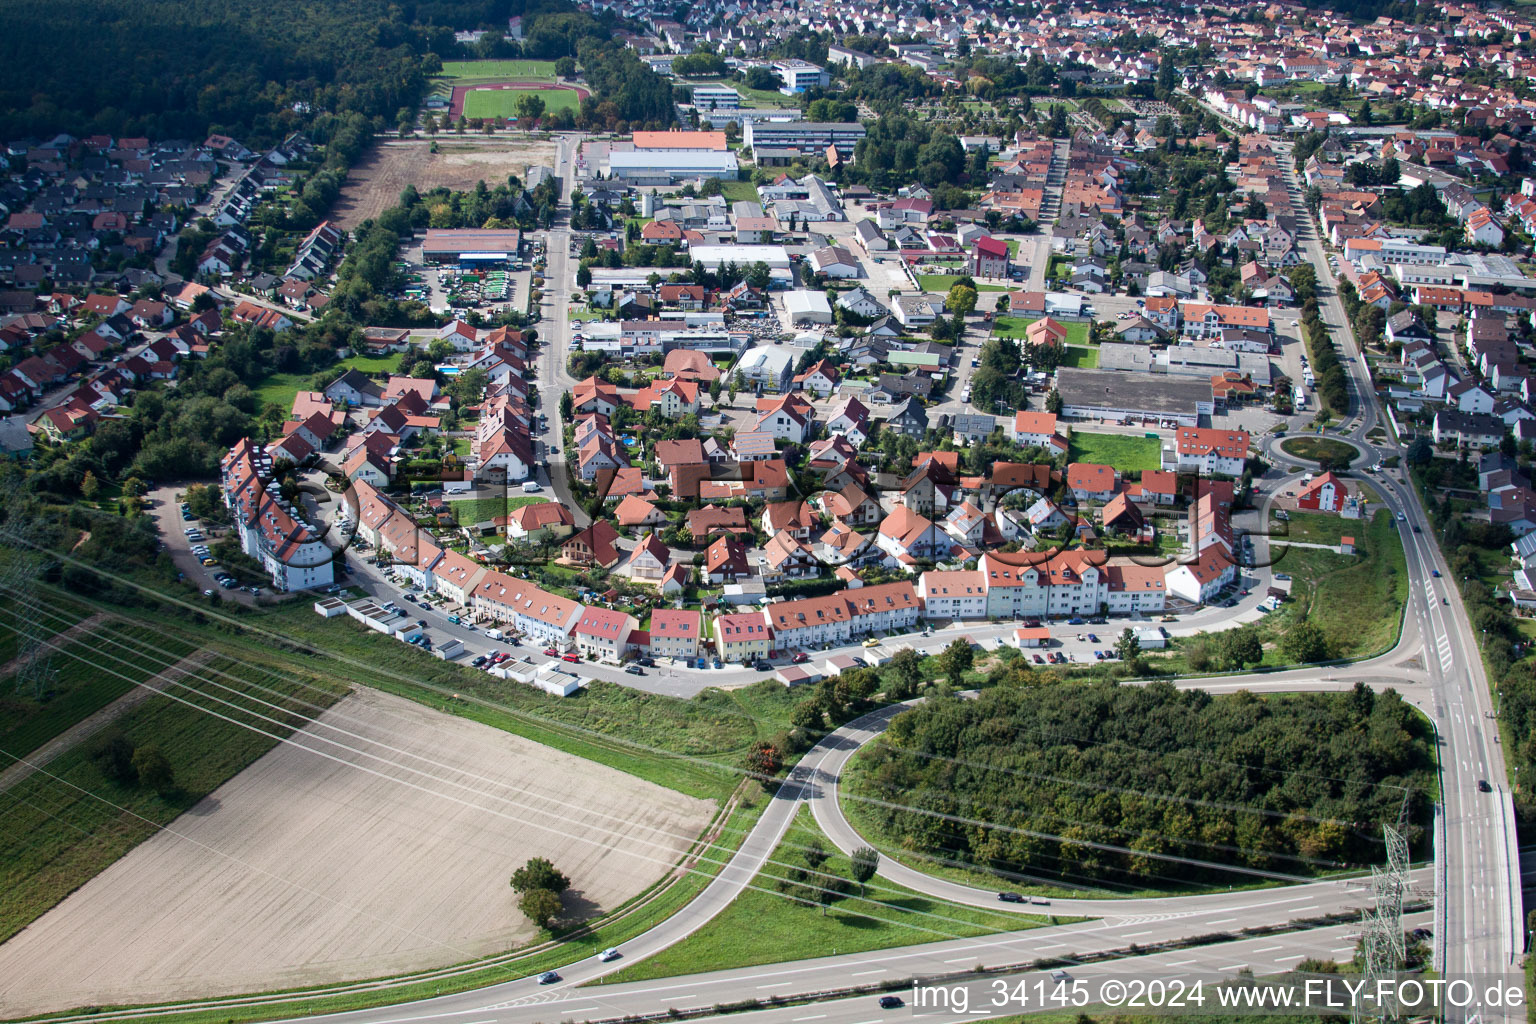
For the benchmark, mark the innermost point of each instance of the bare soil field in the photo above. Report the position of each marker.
(321, 863)
(375, 183)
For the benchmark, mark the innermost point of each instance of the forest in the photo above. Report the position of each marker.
(1146, 787)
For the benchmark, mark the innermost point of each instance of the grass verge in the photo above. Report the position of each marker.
(767, 925)
(1318, 448)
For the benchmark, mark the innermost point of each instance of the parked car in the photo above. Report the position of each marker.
(634, 670)
(479, 661)
(763, 665)
(571, 656)
(799, 658)
(871, 642)
(552, 652)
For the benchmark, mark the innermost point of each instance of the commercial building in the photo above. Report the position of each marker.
(808, 307)
(1133, 397)
(471, 246)
(715, 97)
(681, 141)
(669, 167)
(767, 368)
(806, 137)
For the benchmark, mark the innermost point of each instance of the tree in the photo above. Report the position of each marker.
(530, 107)
(1241, 647)
(567, 406)
(961, 300)
(714, 390)
(1053, 402)
(814, 855)
(89, 486)
(1304, 642)
(113, 756)
(1128, 647)
(153, 769)
(906, 668)
(807, 715)
(583, 276)
(828, 892)
(764, 760)
(540, 905)
(955, 661)
(539, 873)
(865, 862)
(1420, 451)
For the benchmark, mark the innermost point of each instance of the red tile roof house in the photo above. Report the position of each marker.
(1090, 481)
(603, 633)
(676, 633)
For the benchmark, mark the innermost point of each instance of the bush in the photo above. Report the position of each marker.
(113, 756)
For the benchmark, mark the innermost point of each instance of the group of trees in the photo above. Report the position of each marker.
(538, 886)
(1332, 387)
(1136, 785)
(123, 762)
(898, 150)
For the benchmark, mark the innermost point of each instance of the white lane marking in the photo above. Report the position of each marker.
(817, 1016)
(1179, 963)
(860, 974)
(1232, 967)
(1054, 945)
(769, 985)
(1225, 920)
(1135, 935)
(1268, 949)
(959, 959)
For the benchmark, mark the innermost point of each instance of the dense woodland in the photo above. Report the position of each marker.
(1138, 778)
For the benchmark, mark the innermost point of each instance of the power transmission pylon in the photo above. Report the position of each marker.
(1381, 934)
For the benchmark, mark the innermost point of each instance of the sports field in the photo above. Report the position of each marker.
(499, 70)
(501, 100)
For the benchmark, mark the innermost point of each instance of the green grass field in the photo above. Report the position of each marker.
(461, 71)
(944, 282)
(1122, 451)
(1356, 600)
(372, 365)
(1318, 528)
(764, 927)
(79, 689)
(738, 191)
(479, 510)
(1081, 357)
(279, 389)
(503, 102)
(1318, 448)
(1014, 327)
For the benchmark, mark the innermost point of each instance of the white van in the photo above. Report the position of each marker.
(531, 487)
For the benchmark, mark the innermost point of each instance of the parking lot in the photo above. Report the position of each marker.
(173, 526)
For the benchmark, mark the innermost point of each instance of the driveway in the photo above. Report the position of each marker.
(165, 508)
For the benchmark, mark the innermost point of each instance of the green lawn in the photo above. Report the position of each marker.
(1317, 528)
(1356, 600)
(503, 102)
(499, 70)
(480, 510)
(279, 388)
(1079, 356)
(944, 282)
(738, 191)
(1318, 448)
(1014, 327)
(372, 365)
(66, 824)
(463, 445)
(1122, 451)
(766, 925)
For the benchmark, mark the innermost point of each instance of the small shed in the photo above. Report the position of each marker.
(1151, 639)
(1033, 636)
(1346, 545)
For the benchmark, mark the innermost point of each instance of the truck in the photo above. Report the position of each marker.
(1299, 397)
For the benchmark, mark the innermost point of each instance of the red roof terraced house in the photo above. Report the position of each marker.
(1091, 481)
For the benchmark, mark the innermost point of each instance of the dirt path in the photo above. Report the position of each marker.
(88, 727)
(58, 639)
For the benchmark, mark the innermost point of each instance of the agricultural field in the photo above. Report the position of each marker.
(375, 182)
(494, 101)
(1122, 451)
(422, 885)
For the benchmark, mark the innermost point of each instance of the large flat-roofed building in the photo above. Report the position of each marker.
(668, 167)
(471, 245)
(748, 115)
(716, 256)
(680, 141)
(808, 137)
(716, 97)
(1133, 397)
(800, 76)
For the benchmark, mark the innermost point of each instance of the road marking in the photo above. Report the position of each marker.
(817, 1016)
(959, 959)
(1268, 949)
(1283, 959)
(1179, 963)
(1232, 967)
(1054, 945)
(768, 986)
(1225, 920)
(580, 1009)
(1343, 949)
(1134, 935)
(860, 974)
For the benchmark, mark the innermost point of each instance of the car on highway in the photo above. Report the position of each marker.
(1483, 787)
(1435, 573)
(548, 978)
(1011, 897)
(608, 955)
(1402, 518)
(890, 1002)
(1060, 976)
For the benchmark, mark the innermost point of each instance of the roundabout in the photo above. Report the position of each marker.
(1338, 454)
